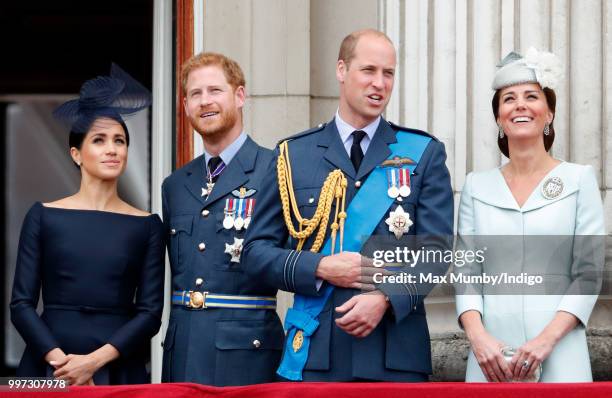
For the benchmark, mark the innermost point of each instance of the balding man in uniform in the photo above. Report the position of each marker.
(358, 178)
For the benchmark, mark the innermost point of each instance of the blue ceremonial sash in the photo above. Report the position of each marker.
(364, 213)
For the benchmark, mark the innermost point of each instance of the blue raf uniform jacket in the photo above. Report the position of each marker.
(398, 349)
(216, 346)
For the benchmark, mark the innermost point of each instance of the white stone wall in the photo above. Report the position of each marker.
(270, 40)
(330, 22)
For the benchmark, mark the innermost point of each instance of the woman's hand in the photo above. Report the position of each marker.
(55, 354)
(488, 352)
(76, 369)
(79, 369)
(530, 355)
(536, 350)
(487, 349)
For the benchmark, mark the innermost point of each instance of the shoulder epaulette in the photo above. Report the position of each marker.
(397, 127)
(319, 127)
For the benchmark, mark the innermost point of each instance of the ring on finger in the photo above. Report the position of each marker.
(525, 364)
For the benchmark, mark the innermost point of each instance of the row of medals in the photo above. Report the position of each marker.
(233, 218)
(399, 183)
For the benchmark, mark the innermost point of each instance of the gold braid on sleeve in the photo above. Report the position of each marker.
(334, 189)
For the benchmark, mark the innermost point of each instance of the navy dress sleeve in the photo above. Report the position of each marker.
(149, 295)
(26, 287)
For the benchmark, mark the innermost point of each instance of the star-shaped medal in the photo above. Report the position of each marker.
(209, 187)
(234, 249)
(399, 222)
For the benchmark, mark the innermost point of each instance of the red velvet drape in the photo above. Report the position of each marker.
(338, 390)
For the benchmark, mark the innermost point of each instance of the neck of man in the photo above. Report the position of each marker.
(215, 144)
(353, 118)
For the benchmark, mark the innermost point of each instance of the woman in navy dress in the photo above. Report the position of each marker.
(99, 261)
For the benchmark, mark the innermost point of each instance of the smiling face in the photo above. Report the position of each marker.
(523, 111)
(103, 152)
(212, 105)
(366, 82)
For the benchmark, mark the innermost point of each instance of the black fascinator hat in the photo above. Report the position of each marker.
(115, 96)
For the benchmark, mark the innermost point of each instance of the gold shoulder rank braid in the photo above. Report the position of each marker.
(334, 188)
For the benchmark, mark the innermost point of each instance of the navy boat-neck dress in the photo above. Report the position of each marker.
(102, 278)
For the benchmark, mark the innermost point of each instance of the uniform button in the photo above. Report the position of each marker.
(256, 343)
(173, 231)
(357, 184)
(205, 212)
(199, 281)
(320, 125)
(311, 200)
(201, 246)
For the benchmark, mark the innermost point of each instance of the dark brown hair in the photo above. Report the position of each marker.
(551, 100)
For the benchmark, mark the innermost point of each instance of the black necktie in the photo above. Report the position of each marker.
(215, 167)
(356, 152)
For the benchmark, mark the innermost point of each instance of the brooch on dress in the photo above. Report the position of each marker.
(552, 188)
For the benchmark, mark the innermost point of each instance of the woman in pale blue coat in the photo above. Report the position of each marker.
(532, 195)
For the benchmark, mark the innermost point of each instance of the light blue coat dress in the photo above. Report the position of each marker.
(487, 207)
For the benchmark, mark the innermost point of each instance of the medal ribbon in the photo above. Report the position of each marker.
(240, 207)
(218, 170)
(229, 207)
(249, 207)
(392, 177)
(405, 177)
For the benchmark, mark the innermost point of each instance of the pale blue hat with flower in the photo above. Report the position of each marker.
(540, 67)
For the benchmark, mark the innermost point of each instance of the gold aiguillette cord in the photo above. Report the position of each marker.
(334, 188)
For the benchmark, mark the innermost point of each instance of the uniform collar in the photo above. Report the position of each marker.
(228, 153)
(346, 129)
(377, 152)
(235, 175)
